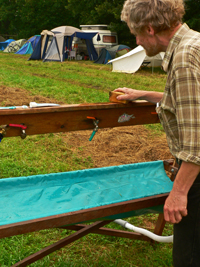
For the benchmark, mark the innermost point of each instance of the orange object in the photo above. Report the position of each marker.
(113, 97)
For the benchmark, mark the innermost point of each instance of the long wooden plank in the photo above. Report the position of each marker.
(66, 118)
(96, 213)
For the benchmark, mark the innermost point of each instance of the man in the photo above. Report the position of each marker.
(157, 26)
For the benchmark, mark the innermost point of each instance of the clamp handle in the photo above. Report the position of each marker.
(23, 127)
(92, 135)
(95, 122)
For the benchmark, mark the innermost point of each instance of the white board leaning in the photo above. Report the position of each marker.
(131, 61)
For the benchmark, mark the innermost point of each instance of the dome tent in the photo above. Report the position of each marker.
(4, 44)
(53, 44)
(29, 46)
(14, 46)
(107, 54)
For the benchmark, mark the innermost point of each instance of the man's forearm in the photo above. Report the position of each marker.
(176, 204)
(151, 96)
(186, 176)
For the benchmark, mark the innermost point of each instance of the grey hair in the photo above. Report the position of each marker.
(161, 14)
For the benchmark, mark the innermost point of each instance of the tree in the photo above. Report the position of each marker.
(35, 16)
(25, 18)
(192, 16)
(8, 12)
(101, 12)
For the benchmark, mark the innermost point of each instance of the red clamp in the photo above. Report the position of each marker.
(23, 127)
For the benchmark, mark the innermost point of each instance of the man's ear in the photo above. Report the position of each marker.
(150, 30)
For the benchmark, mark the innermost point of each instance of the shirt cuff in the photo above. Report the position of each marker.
(184, 156)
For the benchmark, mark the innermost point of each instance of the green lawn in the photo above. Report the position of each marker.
(72, 82)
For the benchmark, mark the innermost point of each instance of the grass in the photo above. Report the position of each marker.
(39, 155)
(72, 82)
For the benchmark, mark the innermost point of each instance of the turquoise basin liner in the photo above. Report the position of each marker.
(38, 196)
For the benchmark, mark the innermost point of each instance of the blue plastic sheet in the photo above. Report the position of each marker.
(33, 197)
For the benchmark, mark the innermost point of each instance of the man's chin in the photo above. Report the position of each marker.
(151, 53)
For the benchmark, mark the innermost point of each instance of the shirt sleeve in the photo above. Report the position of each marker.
(188, 113)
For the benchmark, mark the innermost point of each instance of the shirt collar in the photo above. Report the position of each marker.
(173, 44)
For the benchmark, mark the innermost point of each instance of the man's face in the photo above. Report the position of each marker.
(148, 41)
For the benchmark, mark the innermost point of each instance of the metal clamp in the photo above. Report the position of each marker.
(23, 128)
(95, 122)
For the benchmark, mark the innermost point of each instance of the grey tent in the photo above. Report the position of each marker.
(54, 43)
(66, 30)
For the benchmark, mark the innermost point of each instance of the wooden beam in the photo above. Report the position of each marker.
(110, 232)
(67, 118)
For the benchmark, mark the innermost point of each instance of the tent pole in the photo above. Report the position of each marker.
(152, 65)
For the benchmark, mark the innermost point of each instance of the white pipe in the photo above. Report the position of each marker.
(158, 238)
(36, 105)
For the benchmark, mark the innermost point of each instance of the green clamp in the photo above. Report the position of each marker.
(95, 122)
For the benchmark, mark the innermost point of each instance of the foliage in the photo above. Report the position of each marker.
(102, 12)
(24, 18)
(7, 16)
(41, 15)
(192, 16)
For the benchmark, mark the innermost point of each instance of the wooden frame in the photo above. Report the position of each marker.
(66, 118)
(71, 221)
(96, 213)
(72, 118)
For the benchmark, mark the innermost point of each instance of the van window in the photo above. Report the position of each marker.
(109, 39)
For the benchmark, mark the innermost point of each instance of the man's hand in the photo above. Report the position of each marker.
(132, 94)
(175, 207)
(129, 94)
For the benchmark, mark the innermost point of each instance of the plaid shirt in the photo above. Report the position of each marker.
(179, 109)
